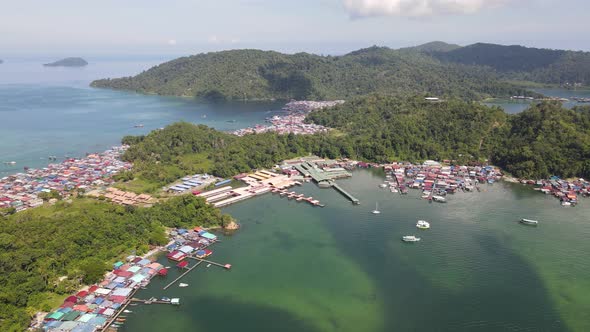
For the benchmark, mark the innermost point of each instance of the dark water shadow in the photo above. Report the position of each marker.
(224, 314)
(508, 294)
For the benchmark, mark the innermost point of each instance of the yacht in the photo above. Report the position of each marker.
(376, 211)
(182, 285)
(422, 224)
(529, 222)
(410, 238)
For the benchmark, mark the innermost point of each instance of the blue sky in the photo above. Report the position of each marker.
(318, 26)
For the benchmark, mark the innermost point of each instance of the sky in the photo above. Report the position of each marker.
(80, 27)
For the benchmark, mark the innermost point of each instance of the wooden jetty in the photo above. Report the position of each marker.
(225, 266)
(325, 179)
(182, 275)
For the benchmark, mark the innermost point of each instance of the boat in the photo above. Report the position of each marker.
(208, 265)
(127, 311)
(423, 224)
(383, 185)
(393, 190)
(566, 203)
(410, 238)
(175, 301)
(120, 319)
(182, 285)
(529, 222)
(376, 211)
(140, 125)
(165, 299)
(439, 199)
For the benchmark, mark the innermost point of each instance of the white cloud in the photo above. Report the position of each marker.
(416, 8)
(172, 42)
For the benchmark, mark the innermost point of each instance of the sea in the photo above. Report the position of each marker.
(339, 268)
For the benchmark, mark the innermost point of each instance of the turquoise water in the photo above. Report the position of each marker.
(61, 116)
(341, 268)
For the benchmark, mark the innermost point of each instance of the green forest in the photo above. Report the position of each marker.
(544, 140)
(75, 240)
(254, 74)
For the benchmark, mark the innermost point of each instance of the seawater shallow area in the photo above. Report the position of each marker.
(341, 268)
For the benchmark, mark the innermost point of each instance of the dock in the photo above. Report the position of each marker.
(346, 194)
(182, 275)
(225, 266)
(325, 179)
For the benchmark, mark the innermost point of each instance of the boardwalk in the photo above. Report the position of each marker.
(324, 179)
(182, 275)
(346, 194)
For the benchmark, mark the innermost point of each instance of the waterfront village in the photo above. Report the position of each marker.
(104, 305)
(293, 122)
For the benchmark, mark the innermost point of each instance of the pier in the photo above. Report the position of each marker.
(325, 179)
(225, 266)
(346, 194)
(182, 275)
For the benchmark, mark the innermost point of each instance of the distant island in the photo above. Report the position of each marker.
(471, 72)
(68, 62)
(1, 61)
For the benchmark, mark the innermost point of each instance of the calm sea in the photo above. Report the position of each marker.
(517, 106)
(341, 268)
(47, 111)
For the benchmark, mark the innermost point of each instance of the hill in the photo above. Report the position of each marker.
(524, 63)
(255, 74)
(68, 62)
(435, 46)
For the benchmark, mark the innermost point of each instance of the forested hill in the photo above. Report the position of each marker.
(524, 63)
(254, 74)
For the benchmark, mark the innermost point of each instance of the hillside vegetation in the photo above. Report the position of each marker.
(542, 141)
(524, 63)
(39, 246)
(254, 74)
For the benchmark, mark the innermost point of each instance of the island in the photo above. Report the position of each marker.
(471, 72)
(67, 62)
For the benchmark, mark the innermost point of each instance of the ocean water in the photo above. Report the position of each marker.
(341, 268)
(517, 106)
(53, 111)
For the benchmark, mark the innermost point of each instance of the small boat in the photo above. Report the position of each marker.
(529, 222)
(383, 185)
(376, 211)
(410, 238)
(133, 304)
(127, 311)
(140, 125)
(393, 190)
(165, 299)
(422, 224)
(439, 199)
(182, 285)
(120, 319)
(566, 203)
(208, 265)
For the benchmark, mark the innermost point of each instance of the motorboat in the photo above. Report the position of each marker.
(529, 222)
(376, 211)
(566, 203)
(439, 199)
(410, 238)
(423, 224)
(383, 185)
(127, 311)
(182, 285)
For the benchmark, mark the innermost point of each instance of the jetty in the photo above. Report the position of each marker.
(346, 194)
(324, 179)
(225, 266)
(182, 275)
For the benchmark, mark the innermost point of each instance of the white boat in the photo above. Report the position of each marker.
(529, 222)
(376, 211)
(393, 190)
(182, 285)
(127, 311)
(383, 185)
(565, 203)
(410, 238)
(208, 265)
(423, 224)
(439, 199)
(175, 301)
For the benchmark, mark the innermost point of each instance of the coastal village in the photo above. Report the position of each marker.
(21, 191)
(294, 121)
(104, 305)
